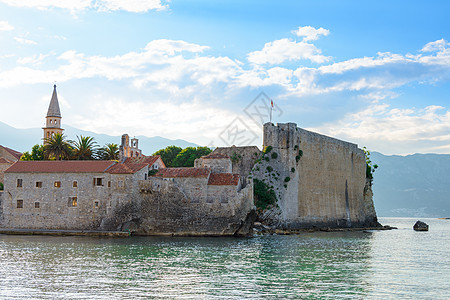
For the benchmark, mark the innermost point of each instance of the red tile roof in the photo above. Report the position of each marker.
(126, 168)
(62, 166)
(183, 172)
(215, 156)
(150, 160)
(14, 153)
(223, 179)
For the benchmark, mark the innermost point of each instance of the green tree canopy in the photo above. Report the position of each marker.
(37, 153)
(84, 148)
(187, 156)
(57, 147)
(108, 152)
(168, 154)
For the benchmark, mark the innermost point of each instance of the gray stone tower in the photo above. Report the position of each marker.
(53, 118)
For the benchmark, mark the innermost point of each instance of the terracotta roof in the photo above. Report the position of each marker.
(126, 168)
(14, 153)
(215, 156)
(5, 161)
(183, 172)
(62, 166)
(223, 179)
(150, 160)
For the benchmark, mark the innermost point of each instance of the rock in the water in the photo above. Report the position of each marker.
(420, 226)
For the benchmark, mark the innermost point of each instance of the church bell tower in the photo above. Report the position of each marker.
(53, 118)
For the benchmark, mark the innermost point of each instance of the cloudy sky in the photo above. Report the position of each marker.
(376, 73)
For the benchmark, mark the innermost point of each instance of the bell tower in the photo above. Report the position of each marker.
(53, 118)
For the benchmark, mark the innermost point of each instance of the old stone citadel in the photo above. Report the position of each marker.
(316, 181)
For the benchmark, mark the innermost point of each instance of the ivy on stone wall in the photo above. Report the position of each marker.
(263, 194)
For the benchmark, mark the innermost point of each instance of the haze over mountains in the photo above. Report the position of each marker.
(404, 186)
(23, 139)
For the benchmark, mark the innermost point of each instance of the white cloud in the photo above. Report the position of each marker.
(136, 6)
(394, 130)
(279, 51)
(310, 33)
(5, 26)
(25, 41)
(439, 45)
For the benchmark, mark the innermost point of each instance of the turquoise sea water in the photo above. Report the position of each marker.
(396, 264)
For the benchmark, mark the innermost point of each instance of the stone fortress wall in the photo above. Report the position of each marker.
(320, 181)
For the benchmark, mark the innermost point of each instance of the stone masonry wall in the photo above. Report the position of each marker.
(326, 183)
(243, 159)
(54, 209)
(166, 209)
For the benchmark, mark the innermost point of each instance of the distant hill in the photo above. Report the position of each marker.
(412, 186)
(23, 139)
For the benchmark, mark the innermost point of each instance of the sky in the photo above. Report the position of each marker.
(375, 73)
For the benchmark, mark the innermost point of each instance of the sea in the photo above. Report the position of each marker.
(393, 264)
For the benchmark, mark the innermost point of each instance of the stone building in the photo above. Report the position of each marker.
(7, 158)
(53, 118)
(126, 150)
(67, 194)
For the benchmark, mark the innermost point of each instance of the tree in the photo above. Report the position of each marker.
(187, 156)
(84, 148)
(109, 152)
(57, 147)
(168, 154)
(370, 169)
(37, 153)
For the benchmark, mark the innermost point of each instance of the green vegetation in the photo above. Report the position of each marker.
(108, 152)
(235, 157)
(152, 172)
(187, 156)
(57, 147)
(1, 186)
(264, 196)
(37, 153)
(266, 158)
(292, 170)
(85, 148)
(267, 149)
(274, 155)
(370, 169)
(300, 154)
(269, 169)
(169, 154)
(287, 179)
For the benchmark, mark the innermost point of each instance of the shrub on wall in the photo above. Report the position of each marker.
(274, 155)
(264, 196)
(1, 186)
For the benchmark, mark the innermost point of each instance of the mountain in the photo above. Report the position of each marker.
(23, 139)
(412, 186)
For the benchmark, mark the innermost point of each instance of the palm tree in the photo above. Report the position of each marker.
(84, 148)
(57, 147)
(109, 152)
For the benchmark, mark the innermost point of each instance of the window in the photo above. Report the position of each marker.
(109, 183)
(75, 184)
(19, 182)
(98, 181)
(38, 184)
(37, 205)
(19, 203)
(57, 184)
(145, 176)
(73, 201)
(96, 204)
(120, 183)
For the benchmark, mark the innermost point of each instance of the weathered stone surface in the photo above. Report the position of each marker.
(319, 181)
(420, 226)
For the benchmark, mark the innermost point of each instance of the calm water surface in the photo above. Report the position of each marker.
(397, 264)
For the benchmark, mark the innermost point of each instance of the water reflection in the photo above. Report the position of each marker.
(313, 265)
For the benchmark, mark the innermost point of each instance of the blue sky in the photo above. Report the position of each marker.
(373, 73)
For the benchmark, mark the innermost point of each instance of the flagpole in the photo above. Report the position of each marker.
(271, 107)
